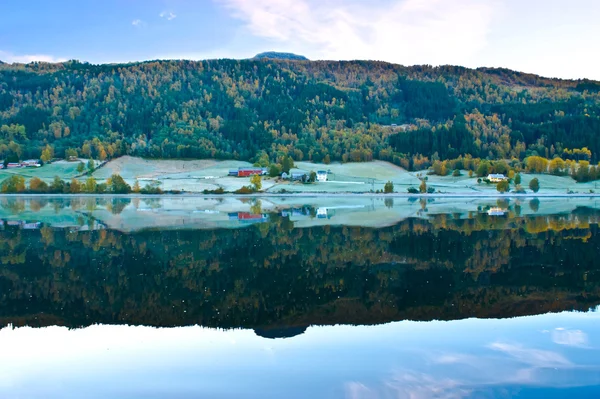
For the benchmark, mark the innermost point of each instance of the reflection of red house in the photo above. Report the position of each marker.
(245, 172)
(249, 216)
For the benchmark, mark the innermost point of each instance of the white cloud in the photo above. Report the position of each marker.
(137, 23)
(402, 31)
(27, 58)
(169, 15)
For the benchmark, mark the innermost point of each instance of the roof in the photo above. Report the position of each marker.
(321, 172)
(497, 175)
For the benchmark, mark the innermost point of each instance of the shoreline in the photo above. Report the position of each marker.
(307, 195)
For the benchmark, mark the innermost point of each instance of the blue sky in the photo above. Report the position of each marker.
(554, 38)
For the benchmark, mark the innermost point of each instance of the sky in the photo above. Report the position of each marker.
(553, 38)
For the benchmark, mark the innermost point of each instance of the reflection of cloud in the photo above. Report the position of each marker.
(562, 336)
(168, 15)
(356, 390)
(409, 385)
(460, 375)
(403, 31)
(533, 357)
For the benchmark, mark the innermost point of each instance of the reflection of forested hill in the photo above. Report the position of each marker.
(272, 276)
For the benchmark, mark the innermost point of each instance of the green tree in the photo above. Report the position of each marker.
(534, 185)
(71, 153)
(312, 176)
(117, 185)
(274, 170)
(456, 173)
(287, 163)
(483, 169)
(503, 186)
(57, 186)
(388, 188)
(90, 185)
(80, 167)
(518, 178)
(14, 184)
(91, 165)
(256, 181)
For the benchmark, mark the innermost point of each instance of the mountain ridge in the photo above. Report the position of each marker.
(310, 110)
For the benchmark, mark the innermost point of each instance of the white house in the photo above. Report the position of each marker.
(321, 175)
(496, 177)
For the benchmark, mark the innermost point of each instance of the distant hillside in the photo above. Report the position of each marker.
(312, 110)
(280, 56)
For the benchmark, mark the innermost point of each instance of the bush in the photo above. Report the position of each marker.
(430, 190)
(534, 185)
(502, 186)
(412, 190)
(456, 173)
(219, 190)
(245, 190)
(388, 188)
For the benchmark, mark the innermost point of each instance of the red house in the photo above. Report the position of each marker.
(245, 172)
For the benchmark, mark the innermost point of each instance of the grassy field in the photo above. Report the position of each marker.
(199, 175)
(63, 169)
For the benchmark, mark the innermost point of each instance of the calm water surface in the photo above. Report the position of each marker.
(296, 298)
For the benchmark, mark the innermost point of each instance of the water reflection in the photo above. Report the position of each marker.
(266, 273)
(298, 298)
(460, 359)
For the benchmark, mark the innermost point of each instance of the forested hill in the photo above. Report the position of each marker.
(312, 110)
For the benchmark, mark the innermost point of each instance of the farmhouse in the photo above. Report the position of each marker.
(12, 165)
(245, 172)
(321, 175)
(496, 178)
(298, 174)
(31, 163)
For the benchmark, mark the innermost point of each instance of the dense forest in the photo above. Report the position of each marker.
(321, 111)
(275, 276)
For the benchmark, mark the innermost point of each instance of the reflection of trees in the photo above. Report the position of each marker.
(117, 205)
(13, 205)
(271, 274)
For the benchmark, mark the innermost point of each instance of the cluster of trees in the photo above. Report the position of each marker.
(320, 111)
(264, 276)
(113, 185)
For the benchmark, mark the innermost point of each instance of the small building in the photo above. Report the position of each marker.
(322, 213)
(1, 165)
(31, 163)
(496, 211)
(285, 176)
(298, 175)
(246, 172)
(13, 165)
(31, 226)
(496, 177)
(321, 175)
(233, 172)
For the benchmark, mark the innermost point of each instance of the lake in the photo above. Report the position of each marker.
(371, 297)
